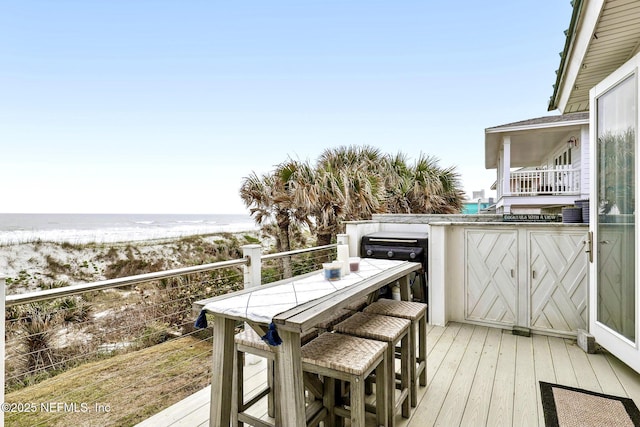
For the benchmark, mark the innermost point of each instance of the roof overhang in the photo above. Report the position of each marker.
(602, 35)
(531, 140)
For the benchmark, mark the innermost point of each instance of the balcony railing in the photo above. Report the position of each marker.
(558, 181)
(117, 351)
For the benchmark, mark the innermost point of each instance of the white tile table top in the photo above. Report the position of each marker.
(263, 304)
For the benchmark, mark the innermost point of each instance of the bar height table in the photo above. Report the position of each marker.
(289, 307)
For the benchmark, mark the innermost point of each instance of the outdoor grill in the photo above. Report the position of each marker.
(404, 246)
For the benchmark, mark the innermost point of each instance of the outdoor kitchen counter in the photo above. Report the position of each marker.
(303, 302)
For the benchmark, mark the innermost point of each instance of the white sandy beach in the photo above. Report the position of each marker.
(30, 266)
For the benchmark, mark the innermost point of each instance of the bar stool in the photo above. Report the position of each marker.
(249, 342)
(395, 332)
(417, 313)
(336, 356)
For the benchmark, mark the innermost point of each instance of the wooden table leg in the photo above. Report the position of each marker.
(222, 374)
(290, 381)
(405, 288)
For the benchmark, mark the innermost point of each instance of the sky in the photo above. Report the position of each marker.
(164, 106)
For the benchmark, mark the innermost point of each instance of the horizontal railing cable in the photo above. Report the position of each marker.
(116, 283)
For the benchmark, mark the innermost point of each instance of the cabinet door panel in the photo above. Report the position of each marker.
(558, 281)
(491, 276)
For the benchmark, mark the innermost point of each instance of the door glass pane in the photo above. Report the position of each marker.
(616, 142)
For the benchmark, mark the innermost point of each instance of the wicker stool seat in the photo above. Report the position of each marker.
(249, 342)
(337, 317)
(359, 304)
(342, 357)
(416, 312)
(395, 332)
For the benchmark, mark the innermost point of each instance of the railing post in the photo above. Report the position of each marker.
(252, 277)
(253, 271)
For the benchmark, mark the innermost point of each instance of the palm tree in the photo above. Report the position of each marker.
(346, 185)
(398, 181)
(424, 187)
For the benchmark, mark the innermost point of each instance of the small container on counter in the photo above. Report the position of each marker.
(332, 270)
(354, 264)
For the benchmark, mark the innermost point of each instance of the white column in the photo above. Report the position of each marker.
(437, 265)
(506, 165)
(585, 173)
(253, 271)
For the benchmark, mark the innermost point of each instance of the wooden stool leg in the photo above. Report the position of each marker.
(342, 390)
(423, 349)
(405, 379)
(329, 401)
(357, 401)
(271, 409)
(237, 389)
(412, 367)
(390, 384)
(381, 393)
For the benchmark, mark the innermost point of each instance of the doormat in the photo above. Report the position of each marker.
(565, 406)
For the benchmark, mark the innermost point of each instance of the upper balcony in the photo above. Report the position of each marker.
(552, 154)
(562, 181)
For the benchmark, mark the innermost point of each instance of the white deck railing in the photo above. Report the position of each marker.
(144, 309)
(559, 181)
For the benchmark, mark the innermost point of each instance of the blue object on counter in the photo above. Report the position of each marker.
(332, 270)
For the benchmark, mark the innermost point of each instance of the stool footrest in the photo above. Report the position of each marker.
(254, 421)
(255, 399)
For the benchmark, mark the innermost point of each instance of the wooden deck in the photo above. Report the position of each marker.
(477, 376)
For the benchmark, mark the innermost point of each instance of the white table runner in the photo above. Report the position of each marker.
(262, 305)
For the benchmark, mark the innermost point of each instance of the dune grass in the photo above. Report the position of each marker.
(118, 391)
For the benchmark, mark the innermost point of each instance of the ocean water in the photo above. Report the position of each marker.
(104, 228)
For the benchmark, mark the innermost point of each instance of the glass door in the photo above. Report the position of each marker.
(613, 291)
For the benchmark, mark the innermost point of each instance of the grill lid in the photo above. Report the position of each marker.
(395, 245)
(387, 238)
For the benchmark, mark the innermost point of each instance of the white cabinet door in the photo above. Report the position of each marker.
(558, 275)
(526, 277)
(491, 276)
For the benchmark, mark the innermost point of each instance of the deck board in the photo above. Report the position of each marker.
(477, 407)
(562, 363)
(437, 389)
(585, 375)
(477, 376)
(543, 365)
(501, 403)
(525, 406)
(461, 386)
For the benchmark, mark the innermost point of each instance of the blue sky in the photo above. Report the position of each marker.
(164, 106)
